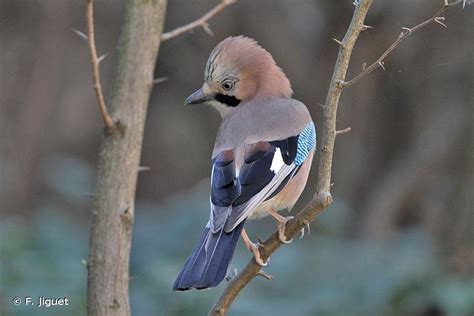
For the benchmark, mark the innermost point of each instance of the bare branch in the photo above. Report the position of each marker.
(201, 22)
(113, 206)
(109, 123)
(322, 198)
(437, 18)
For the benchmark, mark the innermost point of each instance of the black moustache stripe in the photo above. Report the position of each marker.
(227, 99)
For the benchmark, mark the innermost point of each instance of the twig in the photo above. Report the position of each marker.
(403, 35)
(343, 131)
(322, 198)
(201, 22)
(267, 276)
(109, 123)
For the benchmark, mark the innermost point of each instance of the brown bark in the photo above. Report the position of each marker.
(113, 206)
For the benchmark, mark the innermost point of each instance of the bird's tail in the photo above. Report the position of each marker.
(208, 263)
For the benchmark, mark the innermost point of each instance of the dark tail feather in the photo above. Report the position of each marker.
(208, 263)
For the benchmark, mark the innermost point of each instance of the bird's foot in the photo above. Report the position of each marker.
(303, 231)
(254, 249)
(281, 230)
(281, 224)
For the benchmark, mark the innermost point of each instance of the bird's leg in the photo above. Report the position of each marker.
(253, 248)
(281, 222)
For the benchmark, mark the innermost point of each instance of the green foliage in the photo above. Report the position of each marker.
(321, 274)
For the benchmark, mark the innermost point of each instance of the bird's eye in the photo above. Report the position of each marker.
(228, 85)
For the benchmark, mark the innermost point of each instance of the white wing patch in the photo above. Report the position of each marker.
(277, 161)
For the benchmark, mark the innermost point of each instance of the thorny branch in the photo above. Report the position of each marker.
(322, 198)
(109, 123)
(201, 22)
(406, 31)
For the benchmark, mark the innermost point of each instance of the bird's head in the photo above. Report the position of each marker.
(237, 71)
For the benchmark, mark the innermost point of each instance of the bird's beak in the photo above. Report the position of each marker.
(198, 97)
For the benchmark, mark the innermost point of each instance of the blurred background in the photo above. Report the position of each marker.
(398, 239)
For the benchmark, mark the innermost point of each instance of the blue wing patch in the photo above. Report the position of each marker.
(306, 143)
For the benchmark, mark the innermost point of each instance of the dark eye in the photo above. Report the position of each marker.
(228, 85)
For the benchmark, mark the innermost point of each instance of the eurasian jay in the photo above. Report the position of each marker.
(261, 157)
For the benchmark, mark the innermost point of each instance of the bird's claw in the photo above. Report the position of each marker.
(256, 254)
(254, 249)
(302, 232)
(281, 229)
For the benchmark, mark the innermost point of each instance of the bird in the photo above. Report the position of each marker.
(261, 158)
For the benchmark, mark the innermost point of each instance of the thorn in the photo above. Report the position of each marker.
(343, 131)
(80, 34)
(260, 240)
(159, 80)
(131, 278)
(446, 3)
(407, 29)
(88, 194)
(357, 2)
(380, 63)
(332, 184)
(309, 229)
(439, 19)
(101, 58)
(206, 29)
(337, 41)
(366, 27)
(322, 105)
(364, 65)
(84, 262)
(143, 168)
(265, 275)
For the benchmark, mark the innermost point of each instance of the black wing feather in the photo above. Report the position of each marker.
(225, 186)
(255, 174)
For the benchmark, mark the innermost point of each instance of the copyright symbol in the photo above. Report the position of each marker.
(16, 301)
